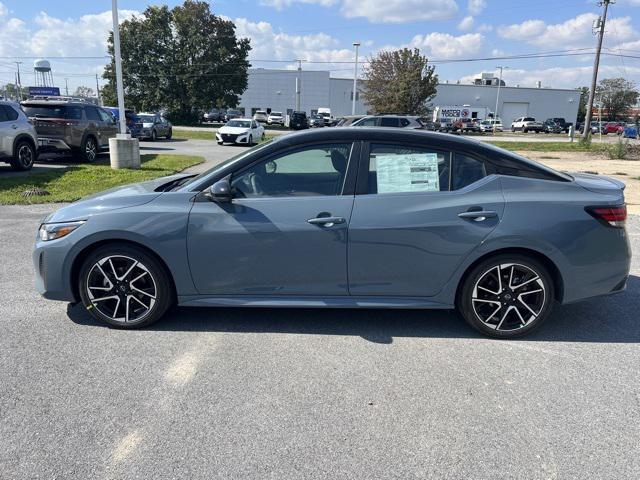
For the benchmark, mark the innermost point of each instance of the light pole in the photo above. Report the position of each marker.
(118, 59)
(495, 113)
(355, 80)
(124, 151)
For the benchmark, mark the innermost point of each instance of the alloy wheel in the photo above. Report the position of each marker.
(508, 297)
(90, 150)
(25, 156)
(121, 288)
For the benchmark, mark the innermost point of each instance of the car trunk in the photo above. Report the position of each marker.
(600, 184)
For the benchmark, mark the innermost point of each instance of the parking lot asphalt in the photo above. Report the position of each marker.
(284, 394)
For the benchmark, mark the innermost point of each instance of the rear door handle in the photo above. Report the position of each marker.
(478, 216)
(326, 221)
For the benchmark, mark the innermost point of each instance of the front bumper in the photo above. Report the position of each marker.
(242, 138)
(52, 274)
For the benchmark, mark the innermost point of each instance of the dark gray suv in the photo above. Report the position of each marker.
(18, 138)
(70, 126)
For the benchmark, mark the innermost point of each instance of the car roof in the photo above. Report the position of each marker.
(246, 119)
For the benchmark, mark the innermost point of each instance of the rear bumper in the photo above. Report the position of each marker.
(48, 144)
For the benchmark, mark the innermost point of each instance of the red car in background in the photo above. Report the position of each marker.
(613, 127)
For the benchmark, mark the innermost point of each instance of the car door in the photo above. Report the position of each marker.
(418, 212)
(96, 125)
(108, 125)
(7, 133)
(284, 232)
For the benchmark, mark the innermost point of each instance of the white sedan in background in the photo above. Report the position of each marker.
(240, 130)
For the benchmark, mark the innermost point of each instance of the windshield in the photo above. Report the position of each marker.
(146, 118)
(233, 112)
(226, 163)
(276, 114)
(238, 123)
(53, 111)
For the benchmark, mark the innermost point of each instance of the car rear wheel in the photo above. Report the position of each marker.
(507, 296)
(154, 135)
(250, 140)
(25, 156)
(89, 149)
(124, 286)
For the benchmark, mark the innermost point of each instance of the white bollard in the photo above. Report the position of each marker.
(124, 152)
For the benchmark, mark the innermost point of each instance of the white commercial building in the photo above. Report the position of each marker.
(275, 90)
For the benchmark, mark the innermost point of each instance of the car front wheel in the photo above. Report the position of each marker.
(89, 149)
(507, 296)
(169, 134)
(124, 286)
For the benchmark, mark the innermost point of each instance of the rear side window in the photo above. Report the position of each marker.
(68, 112)
(404, 122)
(403, 169)
(368, 122)
(10, 113)
(466, 170)
(3, 114)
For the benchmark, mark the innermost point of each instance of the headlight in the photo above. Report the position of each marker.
(51, 231)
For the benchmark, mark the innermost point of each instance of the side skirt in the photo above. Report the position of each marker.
(310, 302)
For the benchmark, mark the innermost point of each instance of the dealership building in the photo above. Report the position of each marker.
(275, 90)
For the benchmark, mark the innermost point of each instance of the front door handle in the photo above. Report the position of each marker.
(478, 216)
(326, 221)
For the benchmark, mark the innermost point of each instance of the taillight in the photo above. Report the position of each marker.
(613, 216)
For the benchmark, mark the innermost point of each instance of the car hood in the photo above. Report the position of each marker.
(112, 199)
(233, 130)
(599, 184)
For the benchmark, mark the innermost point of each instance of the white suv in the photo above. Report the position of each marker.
(275, 118)
(527, 124)
(18, 137)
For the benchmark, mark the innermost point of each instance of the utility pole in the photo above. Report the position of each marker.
(19, 82)
(601, 22)
(66, 86)
(355, 81)
(98, 90)
(495, 112)
(298, 85)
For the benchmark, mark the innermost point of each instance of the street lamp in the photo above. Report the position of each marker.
(495, 114)
(355, 80)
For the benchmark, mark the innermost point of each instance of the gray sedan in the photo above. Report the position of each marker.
(349, 218)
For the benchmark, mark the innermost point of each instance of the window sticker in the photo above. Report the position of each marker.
(416, 172)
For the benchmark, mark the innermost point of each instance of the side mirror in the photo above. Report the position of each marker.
(220, 191)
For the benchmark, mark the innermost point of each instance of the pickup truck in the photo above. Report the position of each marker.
(562, 123)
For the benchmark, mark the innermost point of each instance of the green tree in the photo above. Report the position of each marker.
(399, 81)
(85, 92)
(584, 99)
(617, 95)
(184, 59)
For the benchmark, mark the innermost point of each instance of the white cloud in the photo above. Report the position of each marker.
(476, 7)
(400, 11)
(444, 45)
(558, 77)
(280, 4)
(575, 32)
(466, 23)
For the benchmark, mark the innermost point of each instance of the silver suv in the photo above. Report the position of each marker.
(18, 138)
(396, 121)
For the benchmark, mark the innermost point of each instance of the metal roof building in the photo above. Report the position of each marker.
(275, 90)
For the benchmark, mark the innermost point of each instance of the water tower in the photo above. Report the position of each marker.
(42, 73)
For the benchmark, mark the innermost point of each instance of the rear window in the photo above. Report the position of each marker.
(67, 112)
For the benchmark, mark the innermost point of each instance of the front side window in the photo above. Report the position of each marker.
(389, 122)
(92, 114)
(367, 122)
(310, 171)
(403, 169)
(107, 117)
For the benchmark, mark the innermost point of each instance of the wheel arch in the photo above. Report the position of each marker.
(554, 271)
(86, 251)
(24, 137)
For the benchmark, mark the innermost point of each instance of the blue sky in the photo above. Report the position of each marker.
(322, 32)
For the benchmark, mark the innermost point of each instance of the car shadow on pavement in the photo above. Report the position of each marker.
(611, 319)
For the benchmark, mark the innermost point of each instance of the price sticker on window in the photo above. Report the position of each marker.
(408, 173)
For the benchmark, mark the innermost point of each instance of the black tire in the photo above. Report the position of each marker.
(154, 135)
(24, 156)
(155, 280)
(524, 130)
(250, 140)
(169, 134)
(511, 326)
(89, 149)
(220, 143)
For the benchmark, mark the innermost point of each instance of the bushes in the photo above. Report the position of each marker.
(618, 150)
